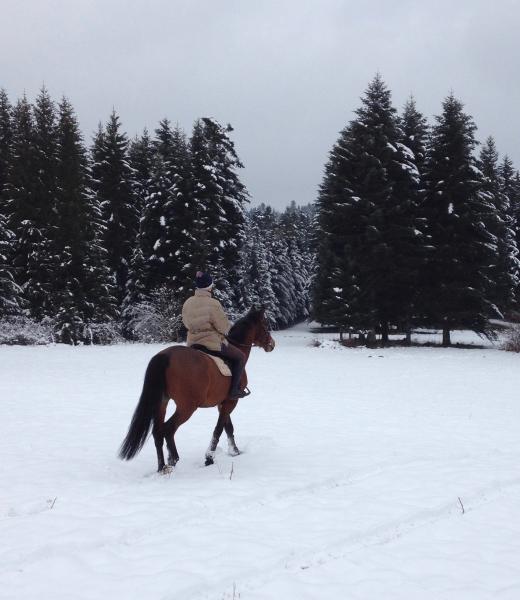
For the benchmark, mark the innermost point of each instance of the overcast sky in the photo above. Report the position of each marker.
(286, 74)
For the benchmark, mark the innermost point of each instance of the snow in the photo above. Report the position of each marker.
(353, 464)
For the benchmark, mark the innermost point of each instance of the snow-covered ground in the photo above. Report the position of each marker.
(357, 466)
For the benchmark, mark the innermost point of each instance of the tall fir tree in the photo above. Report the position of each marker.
(166, 232)
(369, 250)
(83, 283)
(6, 134)
(500, 223)
(510, 187)
(415, 132)
(10, 293)
(219, 198)
(112, 185)
(26, 217)
(457, 208)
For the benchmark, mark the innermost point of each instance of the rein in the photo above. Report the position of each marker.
(235, 343)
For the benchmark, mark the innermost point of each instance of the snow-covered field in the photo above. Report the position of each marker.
(365, 474)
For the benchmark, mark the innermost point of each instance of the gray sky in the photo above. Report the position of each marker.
(286, 74)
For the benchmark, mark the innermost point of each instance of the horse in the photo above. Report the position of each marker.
(192, 380)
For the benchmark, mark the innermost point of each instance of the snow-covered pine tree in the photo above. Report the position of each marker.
(112, 186)
(500, 223)
(6, 135)
(338, 230)
(294, 228)
(83, 283)
(42, 259)
(256, 283)
(140, 158)
(10, 293)
(27, 215)
(219, 198)
(167, 239)
(457, 209)
(369, 246)
(510, 187)
(415, 132)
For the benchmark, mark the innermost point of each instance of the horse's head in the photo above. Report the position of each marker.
(262, 335)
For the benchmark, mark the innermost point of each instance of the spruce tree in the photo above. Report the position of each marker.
(6, 135)
(112, 185)
(83, 281)
(10, 293)
(166, 232)
(457, 209)
(140, 158)
(510, 187)
(218, 207)
(500, 223)
(415, 132)
(369, 251)
(25, 214)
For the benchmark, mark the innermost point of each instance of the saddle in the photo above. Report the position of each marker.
(221, 362)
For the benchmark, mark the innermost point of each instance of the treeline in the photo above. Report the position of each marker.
(102, 242)
(415, 226)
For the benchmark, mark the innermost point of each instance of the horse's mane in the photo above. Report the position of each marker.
(240, 328)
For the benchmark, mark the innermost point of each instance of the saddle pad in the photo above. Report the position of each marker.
(222, 367)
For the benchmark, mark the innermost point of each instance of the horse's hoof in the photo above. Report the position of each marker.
(166, 470)
(209, 460)
(233, 451)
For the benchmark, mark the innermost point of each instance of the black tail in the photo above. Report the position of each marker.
(151, 396)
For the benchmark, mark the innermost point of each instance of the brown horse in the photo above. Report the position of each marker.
(192, 380)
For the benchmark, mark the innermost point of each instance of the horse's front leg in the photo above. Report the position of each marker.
(224, 421)
(232, 447)
(217, 432)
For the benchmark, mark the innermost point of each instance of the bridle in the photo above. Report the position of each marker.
(269, 343)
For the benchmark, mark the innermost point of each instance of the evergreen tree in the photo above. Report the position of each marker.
(369, 251)
(415, 132)
(457, 210)
(6, 135)
(83, 293)
(500, 223)
(112, 185)
(166, 231)
(26, 217)
(256, 279)
(218, 207)
(140, 158)
(9, 292)
(510, 187)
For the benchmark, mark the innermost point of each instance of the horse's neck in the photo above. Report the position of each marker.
(245, 344)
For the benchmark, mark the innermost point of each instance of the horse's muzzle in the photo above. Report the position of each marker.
(270, 345)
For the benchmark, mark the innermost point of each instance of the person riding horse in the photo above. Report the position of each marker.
(208, 326)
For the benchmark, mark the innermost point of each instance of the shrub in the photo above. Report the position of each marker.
(157, 319)
(512, 342)
(24, 331)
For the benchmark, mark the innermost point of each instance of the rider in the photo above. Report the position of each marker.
(207, 325)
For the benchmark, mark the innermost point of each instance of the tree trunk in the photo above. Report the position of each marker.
(384, 333)
(446, 340)
(408, 340)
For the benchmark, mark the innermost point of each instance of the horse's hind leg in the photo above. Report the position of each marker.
(158, 433)
(170, 427)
